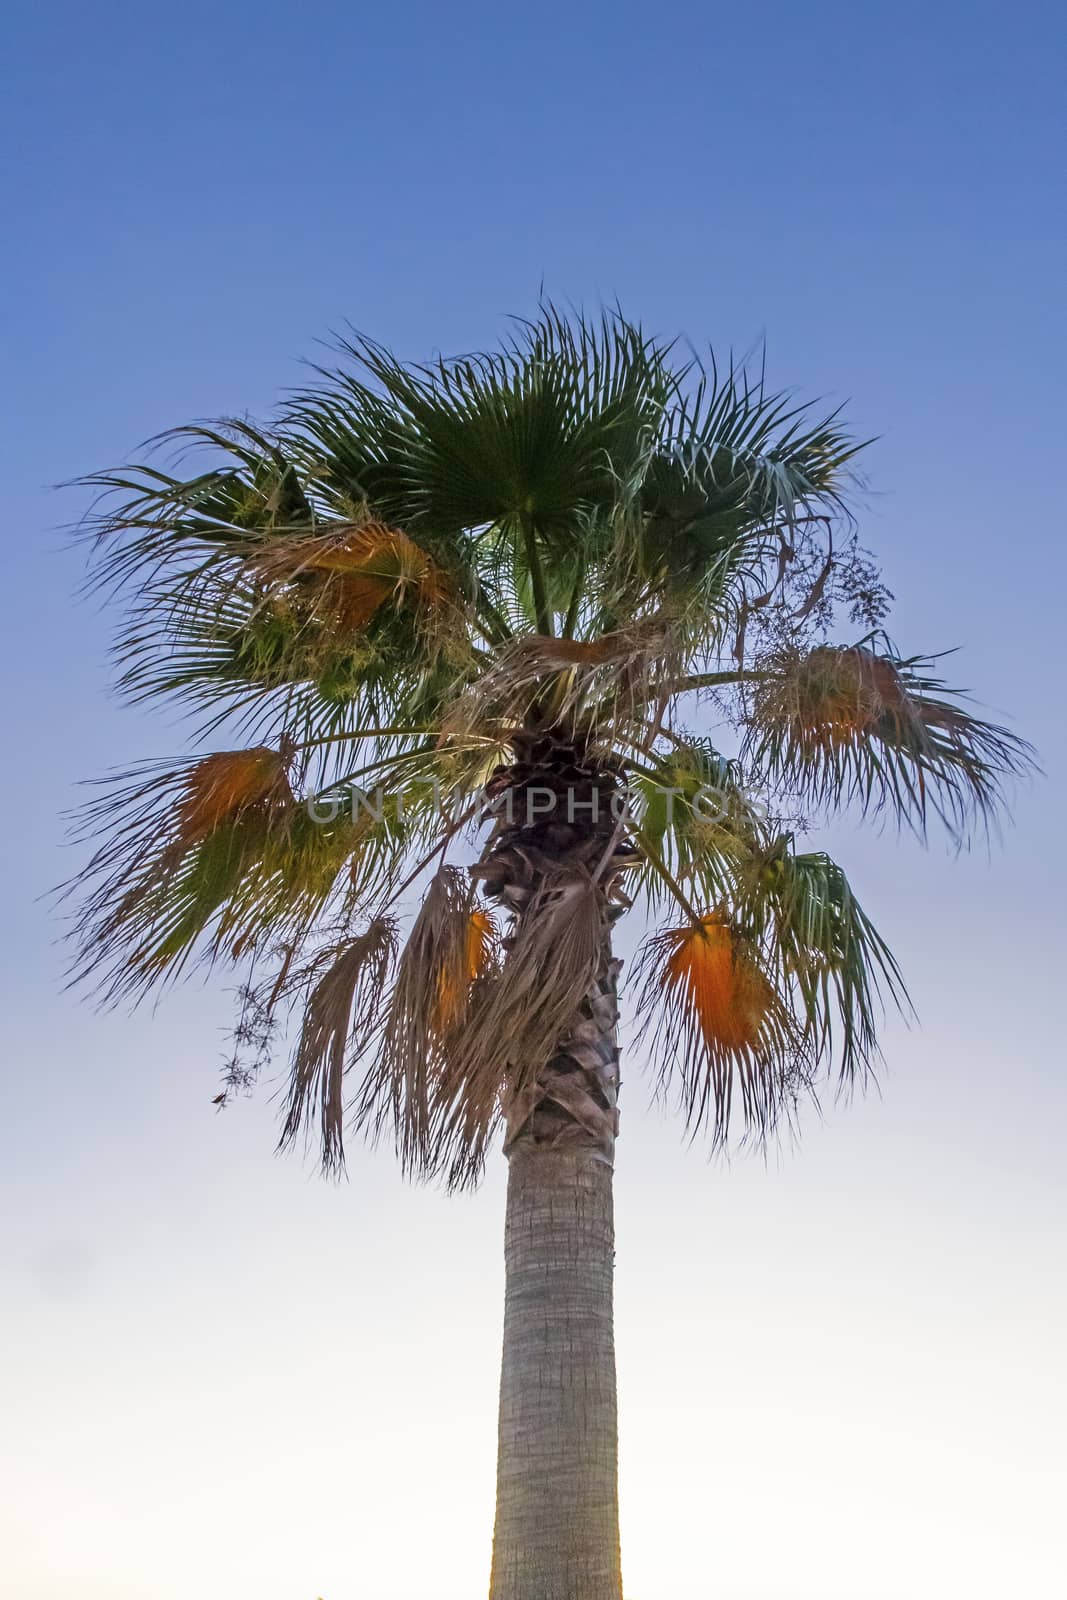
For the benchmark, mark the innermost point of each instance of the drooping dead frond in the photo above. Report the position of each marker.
(468, 964)
(720, 1023)
(450, 945)
(518, 1015)
(346, 985)
(851, 724)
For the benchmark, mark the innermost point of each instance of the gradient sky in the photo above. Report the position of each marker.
(841, 1373)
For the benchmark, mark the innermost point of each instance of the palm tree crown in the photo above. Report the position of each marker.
(488, 597)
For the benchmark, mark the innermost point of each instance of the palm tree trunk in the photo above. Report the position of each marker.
(557, 1515)
(557, 1518)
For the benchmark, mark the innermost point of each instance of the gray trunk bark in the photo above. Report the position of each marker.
(557, 1515)
(557, 1520)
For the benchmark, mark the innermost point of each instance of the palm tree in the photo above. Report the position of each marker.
(484, 600)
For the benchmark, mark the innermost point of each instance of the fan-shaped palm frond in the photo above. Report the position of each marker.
(695, 817)
(849, 723)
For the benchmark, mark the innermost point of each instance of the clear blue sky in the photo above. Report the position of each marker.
(231, 1381)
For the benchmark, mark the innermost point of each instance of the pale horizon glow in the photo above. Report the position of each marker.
(841, 1371)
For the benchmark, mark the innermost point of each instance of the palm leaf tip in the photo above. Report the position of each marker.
(344, 986)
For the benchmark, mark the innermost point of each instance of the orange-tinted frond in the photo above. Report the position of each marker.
(362, 566)
(837, 693)
(223, 785)
(842, 724)
(454, 981)
(711, 971)
(358, 597)
(568, 652)
(481, 936)
(721, 1025)
(351, 550)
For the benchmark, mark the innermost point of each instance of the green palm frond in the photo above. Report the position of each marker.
(694, 815)
(146, 521)
(545, 428)
(734, 465)
(820, 945)
(531, 442)
(255, 872)
(763, 991)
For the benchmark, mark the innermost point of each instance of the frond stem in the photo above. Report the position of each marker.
(571, 621)
(365, 733)
(659, 866)
(716, 680)
(537, 577)
(498, 630)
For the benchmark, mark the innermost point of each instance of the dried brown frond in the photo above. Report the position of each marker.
(589, 683)
(450, 943)
(518, 1015)
(720, 1023)
(345, 985)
